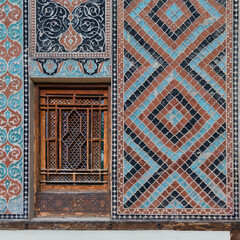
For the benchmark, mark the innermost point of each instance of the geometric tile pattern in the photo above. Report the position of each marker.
(13, 110)
(174, 116)
(174, 13)
(175, 92)
(174, 84)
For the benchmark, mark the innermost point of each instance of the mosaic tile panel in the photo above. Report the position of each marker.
(175, 125)
(70, 68)
(70, 29)
(13, 110)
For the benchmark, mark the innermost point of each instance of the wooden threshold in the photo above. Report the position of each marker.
(92, 224)
(65, 224)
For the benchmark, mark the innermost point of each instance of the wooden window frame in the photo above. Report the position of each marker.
(80, 188)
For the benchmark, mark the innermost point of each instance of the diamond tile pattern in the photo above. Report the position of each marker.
(168, 57)
(174, 108)
(174, 116)
(174, 13)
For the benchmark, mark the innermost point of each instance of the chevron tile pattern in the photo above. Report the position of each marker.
(176, 154)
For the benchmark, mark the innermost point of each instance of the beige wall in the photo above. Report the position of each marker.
(114, 235)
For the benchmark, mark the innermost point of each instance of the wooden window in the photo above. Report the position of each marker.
(72, 138)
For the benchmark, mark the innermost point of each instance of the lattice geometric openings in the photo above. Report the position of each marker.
(73, 145)
(74, 141)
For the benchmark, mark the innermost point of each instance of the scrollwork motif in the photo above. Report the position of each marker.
(3, 170)
(15, 170)
(14, 31)
(3, 136)
(9, 83)
(9, 13)
(15, 66)
(14, 118)
(3, 31)
(11, 106)
(15, 101)
(52, 23)
(3, 120)
(3, 101)
(3, 154)
(9, 49)
(90, 66)
(15, 153)
(15, 188)
(3, 67)
(89, 22)
(59, 30)
(15, 135)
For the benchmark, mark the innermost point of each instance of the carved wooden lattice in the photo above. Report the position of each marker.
(73, 127)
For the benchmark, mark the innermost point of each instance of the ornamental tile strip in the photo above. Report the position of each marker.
(70, 29)
(175, 108)
(13, 110)
(70, 68)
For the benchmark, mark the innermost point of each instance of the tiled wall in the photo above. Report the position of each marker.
(61, 44)
(70, 38)
(13, 111)
(174, 98)
(70, 68)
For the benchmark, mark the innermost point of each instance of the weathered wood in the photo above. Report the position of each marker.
(193, 226)
(13, 226)
(46, 102)
(55, 224)
(134, 226)
(90, 102)
(74, 204)
(235, 231)
(176, 226)
(69, 226)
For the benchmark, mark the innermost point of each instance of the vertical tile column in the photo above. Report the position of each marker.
(13, 109)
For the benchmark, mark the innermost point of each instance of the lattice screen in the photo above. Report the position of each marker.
(72, 133)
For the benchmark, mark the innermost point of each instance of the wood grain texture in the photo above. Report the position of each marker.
(134, 226)
(235, 231)
(56, 224)
(13, 226)
(69, 226)
(84, 204)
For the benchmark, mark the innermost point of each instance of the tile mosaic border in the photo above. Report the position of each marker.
(26, 80)
(114, 108)
(117, 73)
(76, 68)
(24, 197)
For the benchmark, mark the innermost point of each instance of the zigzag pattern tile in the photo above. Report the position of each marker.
(175, 160)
